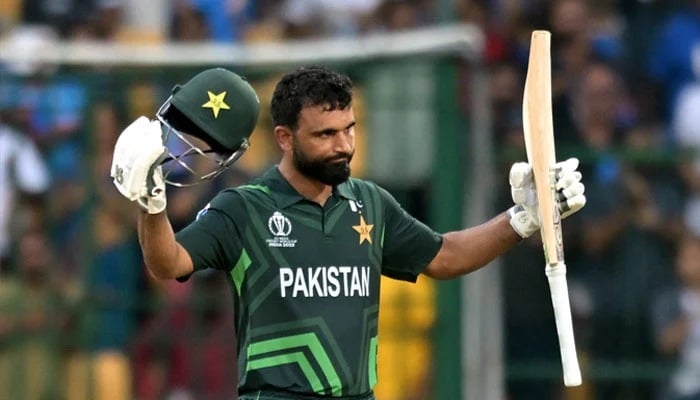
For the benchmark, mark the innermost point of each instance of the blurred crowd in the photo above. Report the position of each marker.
(626, 92)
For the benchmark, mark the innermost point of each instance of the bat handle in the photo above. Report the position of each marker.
(558, 288)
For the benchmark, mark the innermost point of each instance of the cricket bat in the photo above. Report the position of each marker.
(539, 144)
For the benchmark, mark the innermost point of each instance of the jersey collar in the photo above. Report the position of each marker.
(285, 195)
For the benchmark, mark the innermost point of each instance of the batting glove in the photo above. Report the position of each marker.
(135, 165)
(570, 197)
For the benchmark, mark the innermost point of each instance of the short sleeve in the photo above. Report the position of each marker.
(409, 245)
(214, 239)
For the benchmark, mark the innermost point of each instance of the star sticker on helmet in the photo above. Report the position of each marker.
(216, 103)
(364, 229)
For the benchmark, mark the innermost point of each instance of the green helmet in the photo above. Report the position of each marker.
(217, 106)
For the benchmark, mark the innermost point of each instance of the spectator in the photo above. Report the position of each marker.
(393, 15)
(318, 19)
(109, 311)
(47, 104)
(687, 137)
(506, 102)
(160, 346)
(63, 17)
(266, 24)
(107, 20)
(212, 339)
(188, 24)
(31, 319)
(672, 58)
(24, 177)
(98, 255)
(676, 315)
(601, 110)
(211, 20)
(627, 231)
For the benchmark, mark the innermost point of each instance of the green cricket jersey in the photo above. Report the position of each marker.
(305, 278)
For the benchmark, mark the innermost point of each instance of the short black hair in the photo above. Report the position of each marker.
(309, 86)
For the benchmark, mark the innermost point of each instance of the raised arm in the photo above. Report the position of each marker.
(164, 257)
(469, 249)
(138, 177)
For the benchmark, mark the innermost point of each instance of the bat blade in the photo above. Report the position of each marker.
(539, 144)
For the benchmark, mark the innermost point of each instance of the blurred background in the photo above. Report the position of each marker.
(439, 93)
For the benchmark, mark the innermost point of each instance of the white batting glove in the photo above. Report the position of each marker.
(135, 165)
(570, 197)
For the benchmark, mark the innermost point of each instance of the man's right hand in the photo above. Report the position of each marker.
(135, 165)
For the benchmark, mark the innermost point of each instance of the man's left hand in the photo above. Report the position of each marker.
(570, 196)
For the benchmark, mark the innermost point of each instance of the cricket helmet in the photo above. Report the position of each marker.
(207, 125)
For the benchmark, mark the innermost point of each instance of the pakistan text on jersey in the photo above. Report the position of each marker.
(330, 281)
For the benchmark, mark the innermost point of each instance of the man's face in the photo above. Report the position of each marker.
(324, 144)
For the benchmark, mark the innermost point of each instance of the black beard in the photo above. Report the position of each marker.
(328, 171)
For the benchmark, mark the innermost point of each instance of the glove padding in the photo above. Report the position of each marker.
(570, 197)
(135, 167)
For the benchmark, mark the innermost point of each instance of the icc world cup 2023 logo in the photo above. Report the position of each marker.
(279, 225)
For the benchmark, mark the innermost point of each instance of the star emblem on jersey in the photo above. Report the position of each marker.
(216, 103)
(364, 229)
